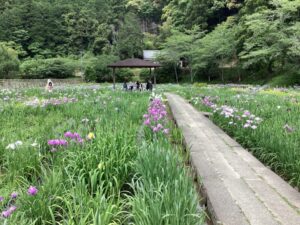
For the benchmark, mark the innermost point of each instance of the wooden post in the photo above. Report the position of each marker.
(114, 78)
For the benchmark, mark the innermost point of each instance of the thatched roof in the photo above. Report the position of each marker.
(134, 63)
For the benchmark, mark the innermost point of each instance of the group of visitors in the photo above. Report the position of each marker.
(137, 86)
(131, 86)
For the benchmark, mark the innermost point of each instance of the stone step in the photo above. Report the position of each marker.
(239, 189)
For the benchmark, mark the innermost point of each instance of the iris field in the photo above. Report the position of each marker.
(89, 155)
(265, 121)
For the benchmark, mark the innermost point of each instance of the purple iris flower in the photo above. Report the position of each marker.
(32, 191)
(14, 195)
(6, 213)
(69, 134)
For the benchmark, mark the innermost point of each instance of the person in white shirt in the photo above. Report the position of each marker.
(49, 86)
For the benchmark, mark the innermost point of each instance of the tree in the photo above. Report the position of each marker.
(269, 36)
(130, 38)
(181, 45)
(204, 13)
(170, 56)
(148, 11)
(9, 63)
(81, 28)
(217, 48)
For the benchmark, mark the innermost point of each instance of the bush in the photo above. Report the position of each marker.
(145, 75)
(124, 75)
(48, 68)
(200, 85)
(9, 63)
(165, 74)
(97, 70)
(285, 80)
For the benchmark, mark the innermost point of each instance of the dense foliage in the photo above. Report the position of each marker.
(248, 38)
(9, 63)
(46, 29)
(52, 68)
(225, 40)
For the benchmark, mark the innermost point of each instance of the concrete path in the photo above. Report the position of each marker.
(238, 188)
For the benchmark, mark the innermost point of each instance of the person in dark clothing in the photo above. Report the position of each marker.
(149, 86)
(138, 85)
(125, 87)
(131, 86)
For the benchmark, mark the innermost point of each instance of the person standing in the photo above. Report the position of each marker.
(131, 86)
(49, 86)
(149, 85)
(125, 86)
(138, 85)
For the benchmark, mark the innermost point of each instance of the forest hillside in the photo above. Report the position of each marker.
(249, 41)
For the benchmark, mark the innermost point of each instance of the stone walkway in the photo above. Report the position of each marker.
(238, 188)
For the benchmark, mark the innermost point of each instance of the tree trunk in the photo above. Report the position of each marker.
(222, 75)
(239, 74)
(114, 79)
(222, 70)
(191, 74)
(176, 74)
(270, 69)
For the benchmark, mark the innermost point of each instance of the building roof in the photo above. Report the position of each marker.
(150, 54)
(134, 63)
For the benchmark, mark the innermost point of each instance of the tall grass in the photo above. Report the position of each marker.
(88, 183)
(79, 184)
(163, 193)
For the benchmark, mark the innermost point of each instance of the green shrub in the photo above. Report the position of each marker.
(145, 75)
(48, 68)
(200, 85)
(289, 78)
(165, 74)
(96, 69)
(9, 63)
(124, 75)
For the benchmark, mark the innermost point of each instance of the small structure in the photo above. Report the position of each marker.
(134, 63)
(150, 54)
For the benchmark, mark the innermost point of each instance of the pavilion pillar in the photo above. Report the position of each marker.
(114, 78)
(154, 78)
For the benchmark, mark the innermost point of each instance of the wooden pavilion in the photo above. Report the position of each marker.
(134, 63)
